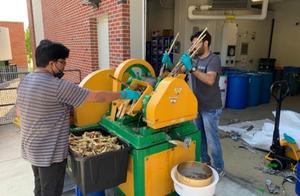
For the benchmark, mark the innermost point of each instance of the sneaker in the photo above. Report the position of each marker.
(207, 163)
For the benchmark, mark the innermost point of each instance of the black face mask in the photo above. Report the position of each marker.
(59, 74)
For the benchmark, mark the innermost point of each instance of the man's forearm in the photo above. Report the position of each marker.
(102, 96)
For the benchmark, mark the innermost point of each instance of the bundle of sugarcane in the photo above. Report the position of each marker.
(192, 51)
(93, 143)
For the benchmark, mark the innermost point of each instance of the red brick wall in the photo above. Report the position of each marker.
(17, 42)
(75, 25)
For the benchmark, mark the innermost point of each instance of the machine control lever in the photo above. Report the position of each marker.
(126, 85)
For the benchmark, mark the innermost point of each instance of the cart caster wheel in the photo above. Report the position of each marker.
(277, 164)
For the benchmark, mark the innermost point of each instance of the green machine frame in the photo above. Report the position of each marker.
(146, 141)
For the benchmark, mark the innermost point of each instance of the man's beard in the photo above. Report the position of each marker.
(201, 51)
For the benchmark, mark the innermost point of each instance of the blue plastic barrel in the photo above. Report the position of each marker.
(232, 71)
(78, 193)
(266, 83)
(297, 188)
(254, 89)
(237, 91)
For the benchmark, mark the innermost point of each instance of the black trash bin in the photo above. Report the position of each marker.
(294, 83)
(99, 172)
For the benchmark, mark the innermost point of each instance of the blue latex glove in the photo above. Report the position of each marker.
(166, 60)
(186, 61)
(130, 94)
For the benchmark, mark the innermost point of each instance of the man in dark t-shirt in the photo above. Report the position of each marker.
(205, 69)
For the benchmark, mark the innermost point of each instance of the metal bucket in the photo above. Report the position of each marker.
(185, 190)
(194, 174)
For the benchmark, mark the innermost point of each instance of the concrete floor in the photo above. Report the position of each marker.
(240, 163)
(241, 176)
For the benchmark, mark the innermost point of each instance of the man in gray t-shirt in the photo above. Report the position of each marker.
(205, 69)
(43, 104)
(208, 95)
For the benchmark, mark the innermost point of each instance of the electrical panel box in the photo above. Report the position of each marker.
(228, 48)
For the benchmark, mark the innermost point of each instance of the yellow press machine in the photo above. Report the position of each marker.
(158, 125)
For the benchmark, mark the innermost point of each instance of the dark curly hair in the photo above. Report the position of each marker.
(206, 38)
(48, 51)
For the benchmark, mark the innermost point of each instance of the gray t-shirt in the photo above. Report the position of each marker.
(44, 103)
(209, 97)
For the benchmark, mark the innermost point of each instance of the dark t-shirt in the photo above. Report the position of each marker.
(209, 97)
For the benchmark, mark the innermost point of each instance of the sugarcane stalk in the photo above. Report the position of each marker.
(198, 40)
(126, 85)
(92, 143)
(162, 69)
(194, 49)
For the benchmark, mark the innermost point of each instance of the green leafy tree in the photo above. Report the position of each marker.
(28, 46)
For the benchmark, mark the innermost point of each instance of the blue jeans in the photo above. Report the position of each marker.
(207, 122)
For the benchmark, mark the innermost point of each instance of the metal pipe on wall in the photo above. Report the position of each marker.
(262, 16)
